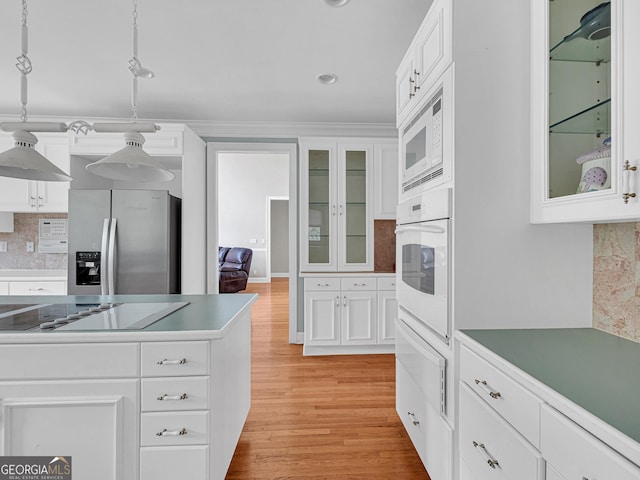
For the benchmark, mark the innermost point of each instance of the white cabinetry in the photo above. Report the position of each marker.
(583, 93)
(4, 288)
(18, 195)
(336, 215)
(342, 316)
(387, 310)
(129, 410)
(509, 420)
(427, 58)
(385, 176)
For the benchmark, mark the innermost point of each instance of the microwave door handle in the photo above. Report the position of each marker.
(104, 257)
(112, 257)
(419, 228)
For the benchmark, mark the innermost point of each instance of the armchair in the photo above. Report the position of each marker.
(234, 266)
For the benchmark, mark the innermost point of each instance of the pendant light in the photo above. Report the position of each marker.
(131, 163)
(23, 161)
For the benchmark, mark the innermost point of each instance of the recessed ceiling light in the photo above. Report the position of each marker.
(335, 3)
(327, 78)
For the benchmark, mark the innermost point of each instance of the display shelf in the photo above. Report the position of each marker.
(595, 120)
(572, 49)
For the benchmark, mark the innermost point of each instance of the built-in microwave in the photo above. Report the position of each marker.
(426, 140)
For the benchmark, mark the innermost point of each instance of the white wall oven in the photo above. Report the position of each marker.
(425, 139)
(422, 259)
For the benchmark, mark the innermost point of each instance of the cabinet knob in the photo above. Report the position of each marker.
(165, 361)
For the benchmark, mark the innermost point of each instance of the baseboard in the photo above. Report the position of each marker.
(280, 275)
(348, 350)
(257, 280)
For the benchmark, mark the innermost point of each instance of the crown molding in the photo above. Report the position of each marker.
(252, 129)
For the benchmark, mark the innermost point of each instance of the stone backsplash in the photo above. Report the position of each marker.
(616, 279)
(25, 227)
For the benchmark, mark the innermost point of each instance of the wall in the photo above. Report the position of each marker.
(245, 180)
(616, 279)
(26, 230)
(280, 238)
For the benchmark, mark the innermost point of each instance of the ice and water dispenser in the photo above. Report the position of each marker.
(87, 268)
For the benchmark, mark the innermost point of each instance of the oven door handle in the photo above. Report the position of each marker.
(419, 228)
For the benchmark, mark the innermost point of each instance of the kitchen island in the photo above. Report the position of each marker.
(163, 401)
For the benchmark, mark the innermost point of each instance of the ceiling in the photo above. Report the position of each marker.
(214, 60)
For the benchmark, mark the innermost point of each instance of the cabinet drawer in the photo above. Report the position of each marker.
(169, 463)
(92, 360)
(410, 405)
(490, 447)
(175, 393)
(37, 288)
(575, 453)
(386, 283)
(516, 404)
(172, 359)
(174, 428)
(321, 283)
(358, 283)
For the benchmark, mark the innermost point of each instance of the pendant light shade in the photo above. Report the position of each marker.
(131, 163)
(23, 161)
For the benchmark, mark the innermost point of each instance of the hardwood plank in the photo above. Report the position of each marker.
(328, 417)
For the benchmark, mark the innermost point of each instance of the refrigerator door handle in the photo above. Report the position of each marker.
(104, 257)
(112, 257)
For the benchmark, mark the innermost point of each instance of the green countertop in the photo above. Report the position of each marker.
(597, 371)
(204, 312)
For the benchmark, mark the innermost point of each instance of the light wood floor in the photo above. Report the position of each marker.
(330, 417)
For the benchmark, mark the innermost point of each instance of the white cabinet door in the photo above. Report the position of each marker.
(95, 422)
(385, 174)
(4, 288)
(322, 318)
(359, 325)
(387, 316)
(581, 97)
(336, 214)
(38, 288)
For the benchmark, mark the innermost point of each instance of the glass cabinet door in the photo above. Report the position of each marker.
(579, 96)
(320, 207)
(355, 207)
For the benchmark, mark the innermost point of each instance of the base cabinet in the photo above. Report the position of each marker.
(129, 410)
(348, 315)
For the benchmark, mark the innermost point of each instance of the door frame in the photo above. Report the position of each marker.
(214, 149)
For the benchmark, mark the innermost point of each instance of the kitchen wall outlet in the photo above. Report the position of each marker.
(29, 247)
(253, 240)
(3, 247)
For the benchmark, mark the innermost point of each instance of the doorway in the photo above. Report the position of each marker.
(245, 169)
(277, 237)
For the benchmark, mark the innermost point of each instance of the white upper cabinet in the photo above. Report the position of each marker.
(18, 195)
(428, 57)
(336, 215)
(584, 111)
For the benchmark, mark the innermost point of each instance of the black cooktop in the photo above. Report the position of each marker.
(20, 317)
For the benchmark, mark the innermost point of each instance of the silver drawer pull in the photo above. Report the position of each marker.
(483, 384)
(173, 397)
(323, 285)
(413, 418)
(172, 433)
(492, 462)
(359, 284)
(165, 361)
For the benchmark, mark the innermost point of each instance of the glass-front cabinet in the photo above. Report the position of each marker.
(336, 213)
(584, 111)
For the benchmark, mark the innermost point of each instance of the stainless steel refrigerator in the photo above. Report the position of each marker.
(123, 242)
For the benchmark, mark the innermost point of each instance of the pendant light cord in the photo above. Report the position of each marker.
(24, 63)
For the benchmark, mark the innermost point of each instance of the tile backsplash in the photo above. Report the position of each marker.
(616, 279)
(25, 227)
